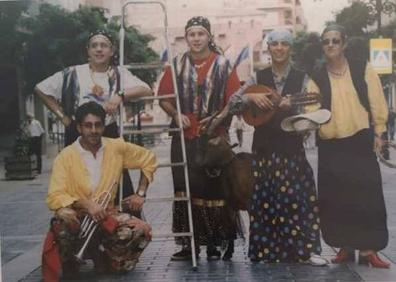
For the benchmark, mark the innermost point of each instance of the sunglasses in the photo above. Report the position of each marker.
(276, 43)
(90, 125)
(334, 41)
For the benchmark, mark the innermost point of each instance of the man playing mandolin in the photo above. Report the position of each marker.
(284, 222)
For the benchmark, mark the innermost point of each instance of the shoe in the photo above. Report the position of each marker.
(213, 254)
(373, 260)
(70, 270)
(227, 255)
(184, 254)
(316, 260)
(101, 264)
(229, 252)
(343, 256)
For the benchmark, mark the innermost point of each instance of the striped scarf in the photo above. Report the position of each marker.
(207, 98)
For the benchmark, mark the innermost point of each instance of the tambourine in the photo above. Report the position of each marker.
(387, 155)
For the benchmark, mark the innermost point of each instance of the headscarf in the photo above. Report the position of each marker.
(205, 24)
(109, 39)
(336, 27)
(103, 33)
(280, 35)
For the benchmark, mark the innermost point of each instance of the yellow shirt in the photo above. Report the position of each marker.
(70, 180)
(348, 116)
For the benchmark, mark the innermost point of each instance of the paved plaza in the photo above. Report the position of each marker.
(24, 220)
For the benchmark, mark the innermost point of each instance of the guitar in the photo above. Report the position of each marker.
(255, 116)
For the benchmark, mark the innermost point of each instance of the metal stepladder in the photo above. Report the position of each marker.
(187, 198)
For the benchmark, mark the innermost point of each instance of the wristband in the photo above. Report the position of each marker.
(141, 193)
(59, 114)
(121, 94)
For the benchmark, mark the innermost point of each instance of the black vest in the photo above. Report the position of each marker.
(270, 137)
(357, 69)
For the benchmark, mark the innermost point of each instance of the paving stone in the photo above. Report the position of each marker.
(24, 228)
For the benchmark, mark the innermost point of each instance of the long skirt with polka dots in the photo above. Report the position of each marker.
(284, 221)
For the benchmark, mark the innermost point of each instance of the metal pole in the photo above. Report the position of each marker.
(121, 109)
(170, 56)
(379, 8)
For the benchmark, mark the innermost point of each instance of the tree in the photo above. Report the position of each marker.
(57, 38)
(354, 18)
(307, 50)
(10, 11)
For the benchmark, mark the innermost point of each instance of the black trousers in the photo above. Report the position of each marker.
(35, 149)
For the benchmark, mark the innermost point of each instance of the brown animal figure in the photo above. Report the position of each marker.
(215, 154)
(235, 170)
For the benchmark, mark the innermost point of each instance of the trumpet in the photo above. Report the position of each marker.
(88, 225)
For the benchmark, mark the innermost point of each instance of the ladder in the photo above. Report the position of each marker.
(187, 198)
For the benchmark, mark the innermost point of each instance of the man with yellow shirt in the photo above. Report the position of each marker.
(351, 201)
(86, 170)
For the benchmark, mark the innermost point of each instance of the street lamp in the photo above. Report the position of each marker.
(377, 7)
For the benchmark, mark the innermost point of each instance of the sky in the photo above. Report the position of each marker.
(317, 12)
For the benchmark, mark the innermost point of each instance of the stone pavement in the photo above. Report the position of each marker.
(24, 219)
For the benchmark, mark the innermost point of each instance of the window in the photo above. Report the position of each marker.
(288, 14)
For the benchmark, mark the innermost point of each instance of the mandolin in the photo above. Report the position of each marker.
(255, 116)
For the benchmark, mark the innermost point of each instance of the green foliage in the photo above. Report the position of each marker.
(9, 14)
(22, 142)
(57, 38)
(354, 18)
(306, 50)
(389, 31)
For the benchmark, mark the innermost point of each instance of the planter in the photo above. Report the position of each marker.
(20, 167)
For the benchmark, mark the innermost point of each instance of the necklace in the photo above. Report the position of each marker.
(340, 73)
(201, 65)
(97, 90)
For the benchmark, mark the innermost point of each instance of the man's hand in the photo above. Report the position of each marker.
(285, 104)
(96, 211)
(185, 121)
(111, 106)
(66, 121)
(378, 143)
(134, 202)
(261, 100)
(141, 225)
(209, 128)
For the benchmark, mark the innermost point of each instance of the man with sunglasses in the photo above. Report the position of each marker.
(284, 222)
(352, 206)
(83, 173)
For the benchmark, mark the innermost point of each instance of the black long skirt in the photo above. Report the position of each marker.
(351, 200)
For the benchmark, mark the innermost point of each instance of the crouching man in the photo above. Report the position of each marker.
(83, 184)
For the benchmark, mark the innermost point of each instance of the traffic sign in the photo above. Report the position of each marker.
(381, 55)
